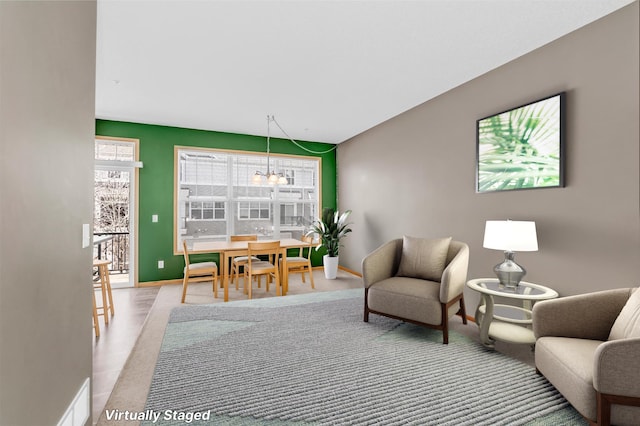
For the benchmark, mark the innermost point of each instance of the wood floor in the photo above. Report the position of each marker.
(112, 348)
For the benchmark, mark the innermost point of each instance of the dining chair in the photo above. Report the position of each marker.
(198, 272)
(301, 263)
(240, 261)
(257, 268)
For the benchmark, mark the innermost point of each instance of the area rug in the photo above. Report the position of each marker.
(310, 360)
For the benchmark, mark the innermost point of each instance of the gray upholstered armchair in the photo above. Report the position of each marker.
(588, 347)
(417, 280)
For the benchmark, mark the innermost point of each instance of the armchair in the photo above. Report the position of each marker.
(417, 280)
(588, 347)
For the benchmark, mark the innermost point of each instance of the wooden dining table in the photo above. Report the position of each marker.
(230, 249)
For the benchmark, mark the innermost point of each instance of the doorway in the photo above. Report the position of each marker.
(114, 208)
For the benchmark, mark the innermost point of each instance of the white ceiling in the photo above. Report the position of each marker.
(327, 70)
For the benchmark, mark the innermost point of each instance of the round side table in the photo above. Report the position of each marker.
(507, 323)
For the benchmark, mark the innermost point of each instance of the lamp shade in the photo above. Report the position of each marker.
(272, 178)
(510, 235)
(257, 178)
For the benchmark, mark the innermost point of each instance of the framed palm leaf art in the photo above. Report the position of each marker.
(523, 147)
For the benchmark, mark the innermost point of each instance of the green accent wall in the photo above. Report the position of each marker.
(156, 186)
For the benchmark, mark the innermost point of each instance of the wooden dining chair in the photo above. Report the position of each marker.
(257, 268)
(301, 263)
(240, 261)
(198, 272)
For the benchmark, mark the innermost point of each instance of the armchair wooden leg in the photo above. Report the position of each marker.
(462, 311)
(366, 306)
(604, 402)
(603, 410)
(445, 323)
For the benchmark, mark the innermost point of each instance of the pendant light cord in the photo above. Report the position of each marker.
(268, 140)
(273, 118)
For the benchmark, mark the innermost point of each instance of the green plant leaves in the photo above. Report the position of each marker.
(331, 228)
(520, 148)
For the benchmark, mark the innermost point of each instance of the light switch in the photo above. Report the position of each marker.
(86, 235)
(160, 264)
(154, 218)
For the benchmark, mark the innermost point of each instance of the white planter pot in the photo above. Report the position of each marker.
(330, 267)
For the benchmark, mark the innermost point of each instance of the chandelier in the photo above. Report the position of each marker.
(270, 177)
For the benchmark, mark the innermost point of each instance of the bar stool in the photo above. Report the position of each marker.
(96, 324)
(104, 285)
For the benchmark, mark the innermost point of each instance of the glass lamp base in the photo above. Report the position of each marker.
(509, 273)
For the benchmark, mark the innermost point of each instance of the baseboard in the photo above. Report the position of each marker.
(351, 271)
(160, 283)
(179, 280)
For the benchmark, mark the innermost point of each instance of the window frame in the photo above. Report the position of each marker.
(254, 205)
(202, 209)
(239, 164)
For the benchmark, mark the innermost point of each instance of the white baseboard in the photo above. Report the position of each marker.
(78, 412)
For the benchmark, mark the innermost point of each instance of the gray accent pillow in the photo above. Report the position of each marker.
(628, 322)
(423, 258)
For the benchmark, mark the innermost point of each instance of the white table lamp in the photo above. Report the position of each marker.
(510, 236)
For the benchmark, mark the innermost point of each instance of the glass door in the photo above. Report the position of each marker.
(112, 222)
(114, 207)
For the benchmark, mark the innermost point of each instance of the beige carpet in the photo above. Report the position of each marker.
(132, 387)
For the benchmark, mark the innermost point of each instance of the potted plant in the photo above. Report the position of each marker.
(330, 228)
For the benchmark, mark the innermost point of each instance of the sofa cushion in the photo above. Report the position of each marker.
(409, 298)
(195, 268)
(568, 364)
(423, 258)
(628, 322)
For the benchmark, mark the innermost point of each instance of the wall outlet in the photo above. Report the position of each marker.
(160, 264)
(154, 218)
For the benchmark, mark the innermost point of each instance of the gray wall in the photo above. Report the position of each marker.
(47, 121)
(415, 174)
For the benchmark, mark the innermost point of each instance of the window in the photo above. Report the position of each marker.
(216, 196)
(114, 150)
(248, 210)
(206, 210)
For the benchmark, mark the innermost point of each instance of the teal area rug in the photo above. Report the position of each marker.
(311, 360)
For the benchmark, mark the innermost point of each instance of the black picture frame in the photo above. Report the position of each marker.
(522, 147)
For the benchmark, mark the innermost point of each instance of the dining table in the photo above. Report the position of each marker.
(230, 249)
